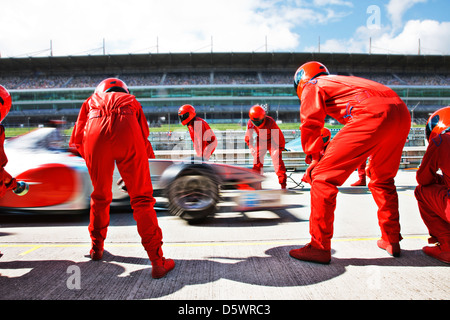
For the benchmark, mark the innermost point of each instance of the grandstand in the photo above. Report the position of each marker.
(222, 86)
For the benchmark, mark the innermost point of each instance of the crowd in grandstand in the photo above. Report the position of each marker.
(40, 81)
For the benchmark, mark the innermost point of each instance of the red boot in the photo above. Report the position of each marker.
(96, 254)
(309, 253)
(161, 267)
(439, 251)
(392, 248)
(432, 240)
(360, 183)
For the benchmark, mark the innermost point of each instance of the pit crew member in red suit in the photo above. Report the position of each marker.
(361, 175)
(111, 129)
(203, 138)
(7, 182)
(269, 138)
(433, 190)
(376, 123)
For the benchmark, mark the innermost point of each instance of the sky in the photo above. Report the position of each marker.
(94, 27)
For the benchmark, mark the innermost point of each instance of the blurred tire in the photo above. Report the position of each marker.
(193, 196)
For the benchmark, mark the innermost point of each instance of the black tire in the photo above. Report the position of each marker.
(193, 196)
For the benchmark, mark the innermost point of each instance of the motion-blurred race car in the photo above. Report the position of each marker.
(59, 181)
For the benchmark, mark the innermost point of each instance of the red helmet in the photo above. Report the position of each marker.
(112, 85)
(5, 102)
(186, 113)
(307, 72)
(439, 122)
(257, 115)
(325, 133)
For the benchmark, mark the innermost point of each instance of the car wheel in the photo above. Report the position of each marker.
(193, 197)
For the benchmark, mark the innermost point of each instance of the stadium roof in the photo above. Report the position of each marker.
(255, 61)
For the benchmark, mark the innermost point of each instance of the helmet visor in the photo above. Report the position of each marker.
(183, 117)
(257, 122)
(431, 125)
(116, 89)
(298, 76)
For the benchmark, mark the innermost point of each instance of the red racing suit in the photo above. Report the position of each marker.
(269, 138)
(433, 190)
(111, 129)
(376, 123)
(203, 138)
(6, 181)
(362, 170)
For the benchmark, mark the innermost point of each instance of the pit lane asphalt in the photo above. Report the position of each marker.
(233, 256)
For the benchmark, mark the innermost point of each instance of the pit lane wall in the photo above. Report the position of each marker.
(232, 149)
(293, 160)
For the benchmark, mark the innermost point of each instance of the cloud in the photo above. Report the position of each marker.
(79, 27)
(431, 34)
(397, 8)
(136, 26)
(395, 37)
(333, 2)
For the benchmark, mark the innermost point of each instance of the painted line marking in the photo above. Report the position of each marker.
(35, 247)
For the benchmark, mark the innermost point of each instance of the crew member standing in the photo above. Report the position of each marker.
(203, 138)
(269, 138)
(376, 123)
(433, 190)
(361, 175)
(112, 129)
(7, 182)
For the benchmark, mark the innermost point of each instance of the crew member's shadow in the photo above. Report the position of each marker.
(109, 279)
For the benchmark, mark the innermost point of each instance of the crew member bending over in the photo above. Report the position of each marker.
(376, 123)
(433, 190)
(112, 129)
